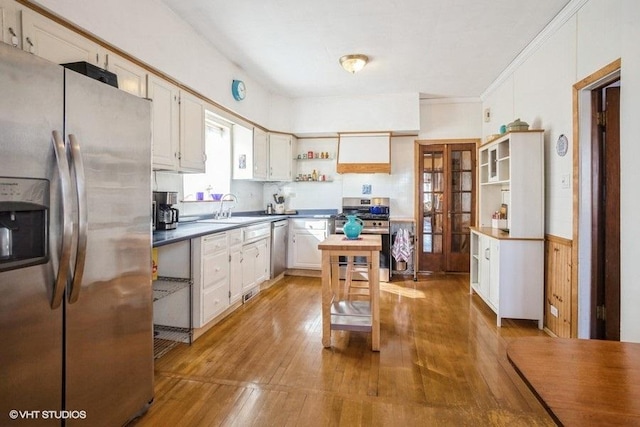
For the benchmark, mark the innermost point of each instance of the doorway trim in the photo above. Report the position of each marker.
(581, 248)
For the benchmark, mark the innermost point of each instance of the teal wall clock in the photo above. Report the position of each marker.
(239, 90)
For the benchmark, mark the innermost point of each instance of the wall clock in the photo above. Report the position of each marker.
(239, 90)
(562, 146)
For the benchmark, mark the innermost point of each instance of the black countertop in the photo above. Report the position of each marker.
(196, 228)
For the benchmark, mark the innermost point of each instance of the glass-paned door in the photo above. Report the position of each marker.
(447, 205)
(433, 184)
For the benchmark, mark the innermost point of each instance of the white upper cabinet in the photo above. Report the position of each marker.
(50, 40)
(512, 176)
(242, 142)
(131, 78)
(192, 152)
(280, 157)
(9, 28)
(165, 126)
(262, 156)
(178, 128)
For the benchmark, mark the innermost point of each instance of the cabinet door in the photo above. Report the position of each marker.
(192, 152)
(165, 123)
(215, 268)
(215, 300)
(50, 40)
(131, 78)
(484, 268)
(242, 152)
(260, 154)
(262, 261)
(249, 256)
(214, 277)
(494, 279)
(305, 252)
(280, 157)
(235, 274)
(9, 30)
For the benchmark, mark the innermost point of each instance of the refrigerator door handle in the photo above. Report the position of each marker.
(81, 191)
(67, 226)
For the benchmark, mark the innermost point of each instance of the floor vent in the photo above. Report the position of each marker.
(246, 297)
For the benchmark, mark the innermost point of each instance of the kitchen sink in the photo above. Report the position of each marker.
(234, 220)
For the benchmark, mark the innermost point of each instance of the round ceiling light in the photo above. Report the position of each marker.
(354, 63)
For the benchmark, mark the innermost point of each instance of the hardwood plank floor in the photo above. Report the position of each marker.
(442, 362)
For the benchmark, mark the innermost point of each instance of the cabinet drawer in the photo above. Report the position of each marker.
(257, 232)
(214, 301)
(310, 224)
(214, 269)
(235, 237)
(214, 243)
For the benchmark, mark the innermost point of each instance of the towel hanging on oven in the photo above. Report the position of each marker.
(401, 249)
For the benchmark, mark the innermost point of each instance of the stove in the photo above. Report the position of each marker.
(374, 213)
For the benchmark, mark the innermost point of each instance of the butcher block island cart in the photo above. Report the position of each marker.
(339, 312)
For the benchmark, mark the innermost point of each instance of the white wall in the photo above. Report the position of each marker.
(328, 195)
(541, 95)
(390, 112)
(450, 118)
(152, 33)
(249, 195)
(539, 91)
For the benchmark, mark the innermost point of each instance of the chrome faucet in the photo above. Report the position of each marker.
(229, 197)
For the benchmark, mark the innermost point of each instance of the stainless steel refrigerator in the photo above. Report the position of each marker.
(76, 334)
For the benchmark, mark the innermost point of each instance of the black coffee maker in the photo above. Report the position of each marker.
(166, 217)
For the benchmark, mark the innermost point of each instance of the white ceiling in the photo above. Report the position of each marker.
(439, 48)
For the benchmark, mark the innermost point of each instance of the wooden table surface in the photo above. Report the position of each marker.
(333, 247)
(366, 242)
(581, 382)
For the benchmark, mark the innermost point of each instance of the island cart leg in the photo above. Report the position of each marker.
(326, 298)
(374, 283)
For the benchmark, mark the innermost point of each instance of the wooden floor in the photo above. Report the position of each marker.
(442, 362)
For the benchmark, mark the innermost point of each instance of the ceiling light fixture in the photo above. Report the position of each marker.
(354, 63)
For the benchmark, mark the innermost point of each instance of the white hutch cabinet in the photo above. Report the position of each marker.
(507, 260)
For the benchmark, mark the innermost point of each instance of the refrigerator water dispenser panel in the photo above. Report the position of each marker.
(24, 222)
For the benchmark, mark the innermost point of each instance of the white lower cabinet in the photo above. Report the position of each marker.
(255, 266)
(235, 266)
(508, 274)
(227, 266)
(304, 236)
(211, 277)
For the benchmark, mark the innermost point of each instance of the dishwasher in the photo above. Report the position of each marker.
(279, 230)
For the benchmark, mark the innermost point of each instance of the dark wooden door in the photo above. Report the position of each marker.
(447, 206)
(606, 214)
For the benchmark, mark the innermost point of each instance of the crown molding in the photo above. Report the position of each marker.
(466, 100)
(556, 23)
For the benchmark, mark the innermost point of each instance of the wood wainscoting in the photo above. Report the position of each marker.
(557, 288)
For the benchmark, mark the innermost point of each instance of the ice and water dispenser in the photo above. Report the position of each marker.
(24, 222)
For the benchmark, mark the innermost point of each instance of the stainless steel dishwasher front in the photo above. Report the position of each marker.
(279, 230)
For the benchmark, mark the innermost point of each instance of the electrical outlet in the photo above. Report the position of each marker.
(366, 189)
(487, 115)
(554, 311)
(565, 182)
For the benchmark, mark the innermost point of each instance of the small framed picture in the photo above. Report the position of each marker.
(242, 161)
(366, 189)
